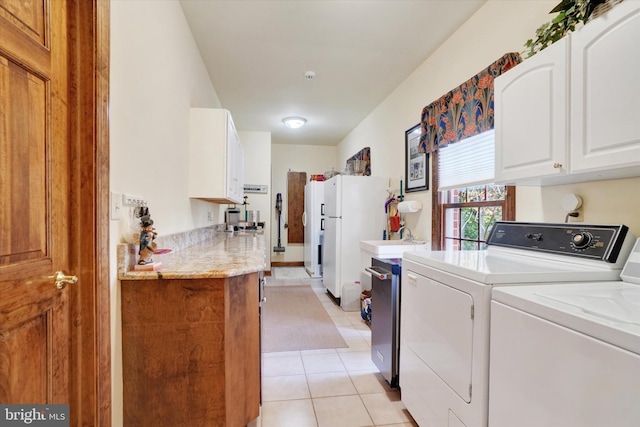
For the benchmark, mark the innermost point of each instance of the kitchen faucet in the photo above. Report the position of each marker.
(410, 237)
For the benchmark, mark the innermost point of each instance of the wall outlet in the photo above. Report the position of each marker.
(210, 216)
(131, 200)
(116, 205)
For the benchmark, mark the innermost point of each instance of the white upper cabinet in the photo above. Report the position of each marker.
(605, 92)
(216, 157)
(531, 117)
(571, 113)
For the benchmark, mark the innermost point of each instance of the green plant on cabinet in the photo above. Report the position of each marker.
(570, 13)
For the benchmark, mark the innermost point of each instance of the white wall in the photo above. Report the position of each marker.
(156, 76)
(497, 28)
(311, 159)
(603, 202)
(257, 171)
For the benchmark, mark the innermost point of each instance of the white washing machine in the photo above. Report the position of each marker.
(567, 356)
(445, 300)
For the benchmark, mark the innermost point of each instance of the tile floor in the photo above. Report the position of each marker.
(329, 388)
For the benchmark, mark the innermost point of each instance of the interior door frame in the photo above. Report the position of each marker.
(90, 362)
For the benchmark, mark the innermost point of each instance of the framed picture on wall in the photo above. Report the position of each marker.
(416, 164)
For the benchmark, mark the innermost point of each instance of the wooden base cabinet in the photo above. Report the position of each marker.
(190, 351)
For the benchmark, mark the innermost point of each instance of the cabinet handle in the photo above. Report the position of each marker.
(557, 165)
(413, 279)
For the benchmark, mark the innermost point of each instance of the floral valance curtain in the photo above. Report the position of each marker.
(465, 111)
(364, 154)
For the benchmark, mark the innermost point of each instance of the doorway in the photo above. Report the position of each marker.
(295, 206)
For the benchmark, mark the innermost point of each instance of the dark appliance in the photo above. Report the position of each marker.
(385, 316)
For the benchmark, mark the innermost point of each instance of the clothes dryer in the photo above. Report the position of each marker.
(446, 311)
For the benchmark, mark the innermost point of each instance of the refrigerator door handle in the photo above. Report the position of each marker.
(322, 209)
(322, 224)
(304, 219)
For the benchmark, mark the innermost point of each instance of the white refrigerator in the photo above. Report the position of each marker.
(354, 211)
(313, 227)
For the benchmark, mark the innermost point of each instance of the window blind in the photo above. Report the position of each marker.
(468, 162)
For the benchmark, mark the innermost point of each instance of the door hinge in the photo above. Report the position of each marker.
(469, 391)
(472, 312)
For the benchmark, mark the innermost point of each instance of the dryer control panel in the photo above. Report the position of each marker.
(602, 242)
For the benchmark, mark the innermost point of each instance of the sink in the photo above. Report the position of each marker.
(384, 249)
(391, 248)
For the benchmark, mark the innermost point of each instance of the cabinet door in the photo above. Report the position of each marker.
(235, 163)
(437, 327)
(239, 161)
(531, 117)
(216, 158)
(605, 91)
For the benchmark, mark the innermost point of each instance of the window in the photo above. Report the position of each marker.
(465, 202)
(468, 214)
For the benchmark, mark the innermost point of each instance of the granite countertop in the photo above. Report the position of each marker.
(219, 255)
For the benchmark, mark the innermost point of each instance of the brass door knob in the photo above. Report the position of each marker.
(62, 280)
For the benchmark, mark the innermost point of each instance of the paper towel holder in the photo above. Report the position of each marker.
(409, 206)
(571, 203)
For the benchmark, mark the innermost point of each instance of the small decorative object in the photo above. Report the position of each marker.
(365, 312)
(147, 240)
(416, 162)
(600, 7)
(360, 163)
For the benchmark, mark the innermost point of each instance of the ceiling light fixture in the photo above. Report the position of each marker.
(294, 122)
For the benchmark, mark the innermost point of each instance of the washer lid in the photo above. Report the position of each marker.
(619, 305)
(505, 267)
(609, 311)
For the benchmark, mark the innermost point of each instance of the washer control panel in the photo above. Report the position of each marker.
(589, 241)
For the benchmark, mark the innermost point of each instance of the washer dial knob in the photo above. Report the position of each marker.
(581, 240)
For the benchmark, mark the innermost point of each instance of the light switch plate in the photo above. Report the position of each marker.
(116, 206)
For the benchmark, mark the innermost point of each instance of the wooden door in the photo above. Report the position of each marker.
(295, 206)
(52, 168)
